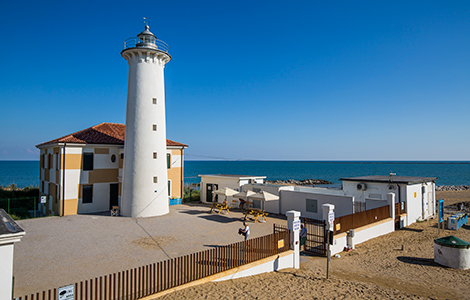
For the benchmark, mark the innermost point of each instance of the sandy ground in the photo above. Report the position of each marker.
(376, 269)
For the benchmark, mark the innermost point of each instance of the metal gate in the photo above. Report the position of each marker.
(316, 236)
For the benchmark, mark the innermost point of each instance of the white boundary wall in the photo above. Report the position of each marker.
(362, 234)
(274, 264)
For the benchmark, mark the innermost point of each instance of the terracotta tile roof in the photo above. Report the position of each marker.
(104, 133)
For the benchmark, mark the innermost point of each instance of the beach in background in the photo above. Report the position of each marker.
(26, 173)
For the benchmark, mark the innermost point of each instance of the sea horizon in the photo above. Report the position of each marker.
(25, 173)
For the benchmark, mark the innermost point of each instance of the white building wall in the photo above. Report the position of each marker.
(176, 161)
(72, 180)
(293, 200)
(73, 150)
(6, 271)
(413, 203)
(373, 191)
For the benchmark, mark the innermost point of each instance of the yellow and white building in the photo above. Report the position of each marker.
(82, 172)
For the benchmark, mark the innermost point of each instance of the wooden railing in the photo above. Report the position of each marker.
(361, 219)
(398, 210)
(150, 279)
(279, 228)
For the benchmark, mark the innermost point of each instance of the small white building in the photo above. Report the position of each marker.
(210, 183)
(416, 193)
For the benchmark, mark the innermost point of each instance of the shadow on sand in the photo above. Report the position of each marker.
(418, 261)
(220, 218)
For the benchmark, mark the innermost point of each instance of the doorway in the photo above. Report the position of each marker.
(210, 187)
(113, 195)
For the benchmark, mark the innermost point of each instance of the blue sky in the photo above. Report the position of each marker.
(274, 80)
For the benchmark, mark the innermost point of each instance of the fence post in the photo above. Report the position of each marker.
(293, 224)
(328, 211)
(391, 201)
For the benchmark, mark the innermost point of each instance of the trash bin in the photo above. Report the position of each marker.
(452, 252)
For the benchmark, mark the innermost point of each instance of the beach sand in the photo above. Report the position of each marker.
(376, 269)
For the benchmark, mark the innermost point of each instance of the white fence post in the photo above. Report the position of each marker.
(293, 224)
(329, 217)
(391, 201)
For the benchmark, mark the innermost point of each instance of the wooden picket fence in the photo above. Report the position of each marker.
(150, 279)
(361, 219)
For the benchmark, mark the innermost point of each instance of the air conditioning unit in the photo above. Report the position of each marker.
(392, 187)
(362, 186)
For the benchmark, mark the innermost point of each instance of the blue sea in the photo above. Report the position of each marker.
(26, 173)
(447, 172)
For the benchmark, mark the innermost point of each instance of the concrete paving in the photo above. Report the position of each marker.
(57, 251)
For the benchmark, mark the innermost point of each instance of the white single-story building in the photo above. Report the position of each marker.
(416, 195)
(210, 183)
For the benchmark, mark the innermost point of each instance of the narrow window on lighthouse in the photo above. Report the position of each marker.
(154, 100)
(155, 179)
(154, 155)
(154, 127)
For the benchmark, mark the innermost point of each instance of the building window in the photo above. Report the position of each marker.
(49, 161)
(57, 164)
(57, 194)
(155, 179)
(169, 188)
(87, 194)
(113, 158)
(42, 161)
(154, 127)
(87, 161)
(168, 161)
(154, 155)
(154, 100)
(311, 205)
(122, 155)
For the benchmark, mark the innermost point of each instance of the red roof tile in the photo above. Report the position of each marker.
(104, 133)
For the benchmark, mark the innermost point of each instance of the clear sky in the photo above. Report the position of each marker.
(270, 80)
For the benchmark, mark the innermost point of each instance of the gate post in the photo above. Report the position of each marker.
(391, 201)
(293, 224)
(328, 211)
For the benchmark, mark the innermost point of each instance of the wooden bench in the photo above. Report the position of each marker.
(256, 213)
(220, 207)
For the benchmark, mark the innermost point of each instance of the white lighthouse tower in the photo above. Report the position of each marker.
(145, 177)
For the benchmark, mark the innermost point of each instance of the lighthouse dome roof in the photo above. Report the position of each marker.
(146, 32)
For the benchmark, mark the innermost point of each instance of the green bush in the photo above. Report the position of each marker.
(12, 191)
(191, 195)
(15, 217)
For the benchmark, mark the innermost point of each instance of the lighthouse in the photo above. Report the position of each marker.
(145, 177)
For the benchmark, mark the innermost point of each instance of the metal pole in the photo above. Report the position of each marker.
(34, 207)
(8, 205)
(328, 256)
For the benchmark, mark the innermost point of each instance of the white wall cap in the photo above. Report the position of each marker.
(11, 238)
(293, 213)
(328, 207)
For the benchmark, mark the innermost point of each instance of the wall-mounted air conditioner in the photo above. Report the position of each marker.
(362, 186)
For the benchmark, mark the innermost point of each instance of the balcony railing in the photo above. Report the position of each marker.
(136, 42)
